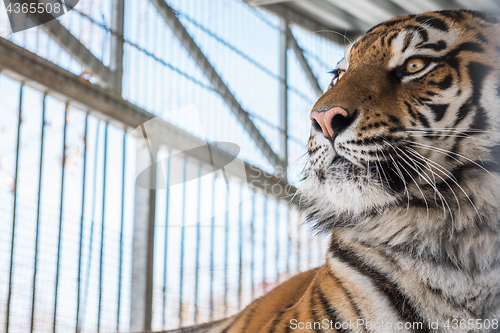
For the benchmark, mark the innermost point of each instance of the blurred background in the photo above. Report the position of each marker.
(115, 88)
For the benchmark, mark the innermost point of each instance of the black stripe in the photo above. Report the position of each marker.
(439, 110)
(399, 300)
(410, 110)
(288, 329)
(440, 45)
(333, 315)
(248, 318)
(276, 321)
(451, 57)
(455, 15)
(390, 39)
(477, 73)
(446, 83)
(464, 110)
(433, 22)
(498, 89)
(407, 41)
(423, 34)
(314, 313)
(348, 294)
(482, 38)
(423, 120)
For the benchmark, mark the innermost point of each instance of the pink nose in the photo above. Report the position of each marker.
(324, 119)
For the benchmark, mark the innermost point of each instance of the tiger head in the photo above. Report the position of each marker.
(410, 122)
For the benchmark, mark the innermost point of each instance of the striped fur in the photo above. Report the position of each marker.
(409, 191)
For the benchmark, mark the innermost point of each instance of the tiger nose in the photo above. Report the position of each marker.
(331, 121)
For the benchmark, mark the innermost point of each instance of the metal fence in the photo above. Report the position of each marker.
(82, 246)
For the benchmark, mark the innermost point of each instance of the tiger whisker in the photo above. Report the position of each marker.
(400, 174)
(457, 129)
(409, 174)
(383, 171)
(291, 164)
(337, 33)
(453, 179)
(445, 151)
(458, 135)
(433, 185)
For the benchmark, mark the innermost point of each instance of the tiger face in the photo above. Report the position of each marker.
(410, 120)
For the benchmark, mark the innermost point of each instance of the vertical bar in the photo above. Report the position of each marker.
(92, 223)
(197, 272)
(141, 308)
(61, 206)
(117, 41)
(289, 241)
(18, 146)
(103, 225)
(122, 220)
(252, 240)
(183, 237)
(240, 247)
(299, 257)
(165, 251)
(212, 243)
(82, 223)
(226, 250)
(264, 247)
(283, 92)
(40, 175)
(277, 234)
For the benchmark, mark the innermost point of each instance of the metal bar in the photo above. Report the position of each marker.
(240, 249)
(22, 65)
(103, 225)
(212, 244)
(277, 235)
(117, 41)
(165, 251)
(183, 239)
(226, 251)
(252, 245)
(61, 206)
(122, 221)
(92, 223)
(289, 241)
(18, 146)
(264, 246)
(197, 272)
(71, 45)
(38, 208)
(82, 223)
(141, 308)
(283, 91)
(299, 257)
(313, 81)
(218, 84)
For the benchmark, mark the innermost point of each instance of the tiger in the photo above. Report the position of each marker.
(403, 173)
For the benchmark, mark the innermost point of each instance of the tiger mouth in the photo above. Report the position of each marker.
(340, 161)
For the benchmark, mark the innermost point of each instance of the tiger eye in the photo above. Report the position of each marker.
(415, 65)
